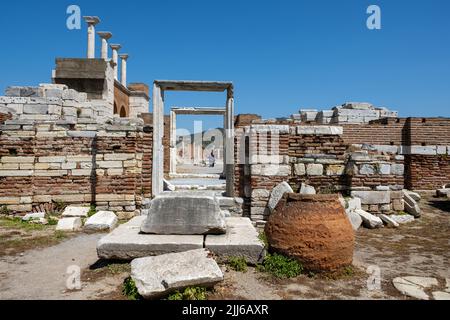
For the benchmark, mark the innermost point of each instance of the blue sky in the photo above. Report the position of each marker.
(281, 55)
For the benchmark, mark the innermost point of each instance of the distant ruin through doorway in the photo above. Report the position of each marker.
(159, 89)
(196, 149)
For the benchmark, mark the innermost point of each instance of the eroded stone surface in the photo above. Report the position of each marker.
(72, 211)
(127, 243)
(158, 276)
(277, 194)
(102, 220)
(415, 286)
(369, 220)
(241, 240)
(69, 224)
(185, 213)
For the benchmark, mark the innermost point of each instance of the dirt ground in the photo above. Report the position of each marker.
(32, 268)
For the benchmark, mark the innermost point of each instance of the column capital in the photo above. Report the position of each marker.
(91, 20)
(105, 35)
(116, 47)
(124, 56)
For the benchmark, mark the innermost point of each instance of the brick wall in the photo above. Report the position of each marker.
(427, 172)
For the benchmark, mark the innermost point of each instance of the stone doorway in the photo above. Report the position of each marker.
(159, 90)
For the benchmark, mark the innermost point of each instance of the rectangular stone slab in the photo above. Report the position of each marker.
(127, 243)
(241, 240)
(185, 213)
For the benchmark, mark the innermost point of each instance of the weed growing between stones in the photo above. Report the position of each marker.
(263, 237)
(92, 211)
(59, 206)
(280, 266)
(238, 264)
(190, 294)
(130, 290)
(5, 211)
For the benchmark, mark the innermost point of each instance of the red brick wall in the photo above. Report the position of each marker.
(387, 132)
(427, 172)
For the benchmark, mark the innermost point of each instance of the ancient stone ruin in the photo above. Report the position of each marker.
(91, 139)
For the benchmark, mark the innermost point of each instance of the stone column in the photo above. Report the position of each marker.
(115, 56)
(229, 162)
(158, 134)
(123, 74)
(105, 37)
(173, 142)
(92, 22)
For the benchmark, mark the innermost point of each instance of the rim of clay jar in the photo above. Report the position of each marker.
(311, 197)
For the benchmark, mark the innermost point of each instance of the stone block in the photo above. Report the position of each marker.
(76, 212)
(127, 243)
(306, 189)
(277, 194)
(260, 193)
(355, 219)
(389, 221)
(35, 109)
(119, 156)
(372, 197)
(109, 164)
(101, 221)
(34, 216)
(398, 169)
(300, 169)
(186, 213)
(17, 159)
(16, 173)
(9, 200)
(241, 240)
(335, 170)
(156, 277)
(367, 169)
(411, 205)
(69, 224)
(384, 169)
(370, 221)
(314, 169)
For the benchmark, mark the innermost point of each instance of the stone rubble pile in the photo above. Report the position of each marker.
(350, 112)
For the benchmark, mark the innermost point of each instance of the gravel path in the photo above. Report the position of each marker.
(41, 274)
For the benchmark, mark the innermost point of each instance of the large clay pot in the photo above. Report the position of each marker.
(313, 229)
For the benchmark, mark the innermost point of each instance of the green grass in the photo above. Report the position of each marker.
(130, 290)
(17, 223)
(189, 294)
(280, 266)
(238, 264)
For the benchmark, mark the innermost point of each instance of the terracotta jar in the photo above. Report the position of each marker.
(313, 229)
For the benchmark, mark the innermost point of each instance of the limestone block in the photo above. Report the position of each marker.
(186, 213)
(157, 276)
(35, 109)
(102, 220)
(59, 159)
(354, 204)
(69, 224)
(20, 207)
(9, 200)
(355, 219)
(50, 173)
(64, 166)
(81, 172)
(402, 219)
(115, 172)
(277, 194)
(10, 166)
(411, 205)
(372, 197)
(300, 169)
(241, 240)
(335, 170)
(76, 212)
(314, 169)
(367, 169)
(389, 221)
(127, 243)
(17, 159)
(398, 169)
(260, 193)
(16, 173)
(306, 189)
(109, 164)
(271, 170)
(370, 221)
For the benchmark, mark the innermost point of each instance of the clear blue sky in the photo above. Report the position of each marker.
(281, 55)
